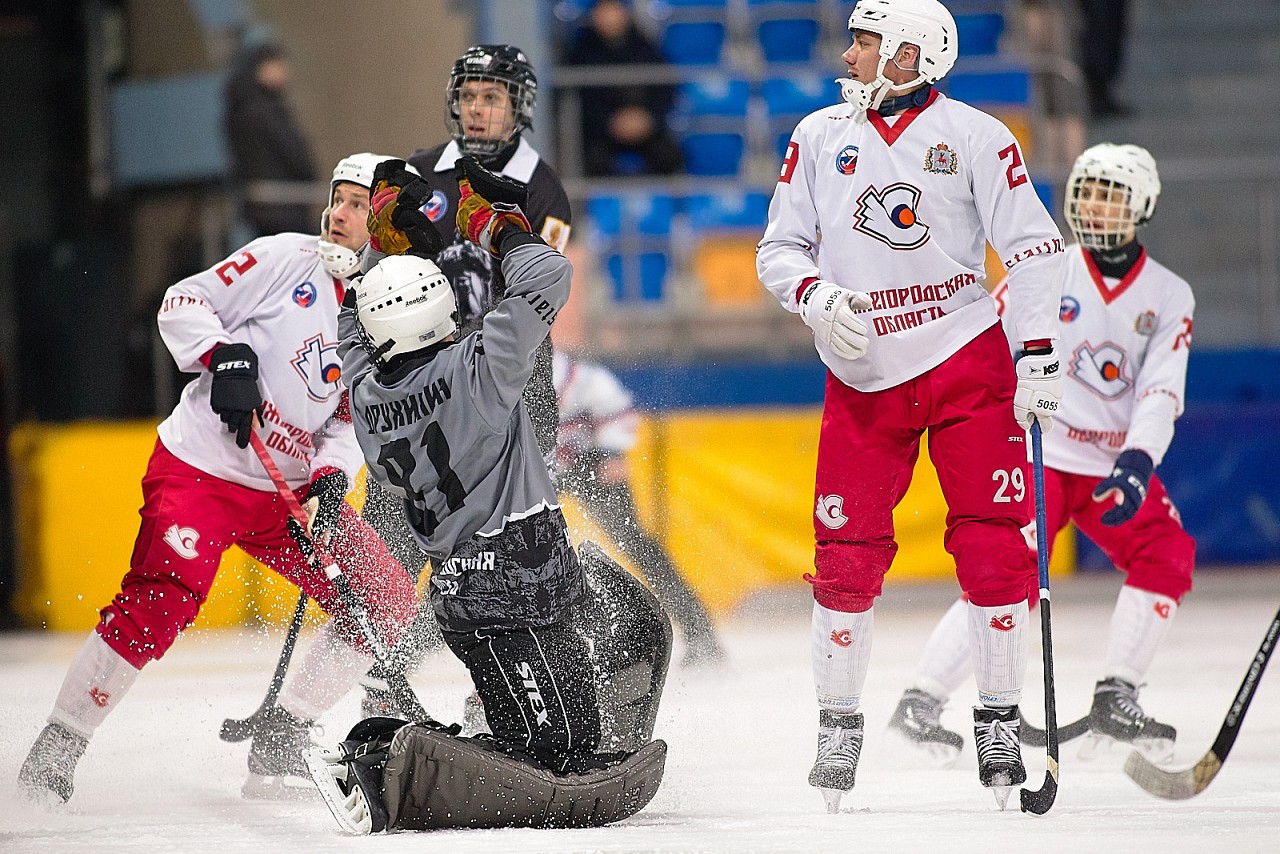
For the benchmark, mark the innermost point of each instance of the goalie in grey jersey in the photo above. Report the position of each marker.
(443, 427)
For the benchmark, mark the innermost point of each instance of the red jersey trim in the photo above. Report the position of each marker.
(1110, 295)
(890, 133)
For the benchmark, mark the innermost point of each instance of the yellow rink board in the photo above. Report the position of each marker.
(730, 492)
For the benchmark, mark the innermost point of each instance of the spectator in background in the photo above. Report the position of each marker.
(1045, 33)
(1102, 44)
(624, 128)
(264, 138)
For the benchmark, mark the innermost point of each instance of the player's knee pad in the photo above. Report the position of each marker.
(629, 636)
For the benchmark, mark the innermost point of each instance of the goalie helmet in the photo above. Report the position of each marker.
(497, 63)
(403, 305)
(924, 23)
(357, 169)
(1112, 189)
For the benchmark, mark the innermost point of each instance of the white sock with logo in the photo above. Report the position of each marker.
(94, 685)
(330, 668)
(945, 662)
(998, 648)
(841, 652)
(1139, 623)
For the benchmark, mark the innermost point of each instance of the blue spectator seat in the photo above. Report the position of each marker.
(713, 96)
(979, 34)
(693, 42)
(713, 153)
(697, 4)
(798, 95)
(634, 231)
(727, 211)
(788, 39)
(994, 87)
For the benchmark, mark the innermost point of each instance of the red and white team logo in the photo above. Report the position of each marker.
(436, 206)
(183, 541)
(1003, 623)
(1162, 610)
(890, 216)
(842, 638)
(1101, 369)
(318, 365)
(830, 511)
(100, 698)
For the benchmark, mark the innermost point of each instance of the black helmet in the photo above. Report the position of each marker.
(502, 63)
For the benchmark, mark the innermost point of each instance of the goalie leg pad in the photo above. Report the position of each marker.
(435, 781)
(629, 635)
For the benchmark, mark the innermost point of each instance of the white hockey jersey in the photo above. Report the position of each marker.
(899, 208)
(595, 408)
(275, 296)
(1124, 349)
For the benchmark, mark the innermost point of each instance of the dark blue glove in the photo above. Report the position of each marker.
(1127, 486)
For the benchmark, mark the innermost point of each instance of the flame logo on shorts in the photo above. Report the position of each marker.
(183, 541)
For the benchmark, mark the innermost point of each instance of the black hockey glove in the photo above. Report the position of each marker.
(397, 225)
(1127, 486)
(235, 395)
(323, 504)
(490, 206)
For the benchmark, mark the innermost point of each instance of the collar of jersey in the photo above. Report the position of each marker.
(889, 133)
(520, 166)
(1109, 294)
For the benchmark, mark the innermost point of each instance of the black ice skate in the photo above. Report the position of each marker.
(918, 720)
(839, 746)
(277, 769)
(1116, 716)
(48, 774)
(1000, 765)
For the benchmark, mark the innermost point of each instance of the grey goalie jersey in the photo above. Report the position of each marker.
(449, 435)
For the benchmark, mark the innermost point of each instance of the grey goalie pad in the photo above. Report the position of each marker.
(433, 780)
(629, 638)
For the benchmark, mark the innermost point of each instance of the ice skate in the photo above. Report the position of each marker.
(48, 774)
(918, 720)
(1117, 717)
(703, 650)
(1000, 767)
(349, 790)
(839, 746)
(277, 769)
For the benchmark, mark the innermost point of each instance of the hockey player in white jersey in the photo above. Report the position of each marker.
(876, 239)
(598, 425)
(261, 330)
(1126, 336)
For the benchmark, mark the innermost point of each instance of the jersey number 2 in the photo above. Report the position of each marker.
(1015, 162)
(235, 267)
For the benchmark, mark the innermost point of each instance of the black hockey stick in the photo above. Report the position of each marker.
(398, 683)
(1039, 802)
(241, 730)
(1189, 782)
(1033, 736)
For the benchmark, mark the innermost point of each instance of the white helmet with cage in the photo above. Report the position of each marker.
(404, 304)
(354, 169)
(924, 23)
(1112, 189)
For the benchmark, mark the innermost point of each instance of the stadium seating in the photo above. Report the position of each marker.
(693, 42)
(979, 34)
(788, 39)
(633, 233)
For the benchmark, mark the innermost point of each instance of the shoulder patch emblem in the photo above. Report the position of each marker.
(847, 160)
(1145, 324)
(941, 160)
(436, 206)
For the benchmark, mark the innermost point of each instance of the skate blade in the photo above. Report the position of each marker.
(1094, 746)
(1159, 751)
(927, 754)
(40, 797)
(349, 809)
(257, 787)
(832, 798)
(1001, 785)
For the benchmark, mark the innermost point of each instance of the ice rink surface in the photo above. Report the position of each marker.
(156, 777)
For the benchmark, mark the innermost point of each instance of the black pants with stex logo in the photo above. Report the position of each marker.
(538, 691)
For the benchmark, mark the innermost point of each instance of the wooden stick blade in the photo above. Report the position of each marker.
(1169, 784)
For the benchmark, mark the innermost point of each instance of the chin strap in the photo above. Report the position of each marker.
(898, 103)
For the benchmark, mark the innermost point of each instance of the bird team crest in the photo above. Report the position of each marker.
(941, 160)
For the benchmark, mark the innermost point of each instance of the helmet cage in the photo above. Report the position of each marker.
(1111, 191)
(502, 64)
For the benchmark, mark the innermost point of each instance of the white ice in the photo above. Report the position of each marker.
(156, 777)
